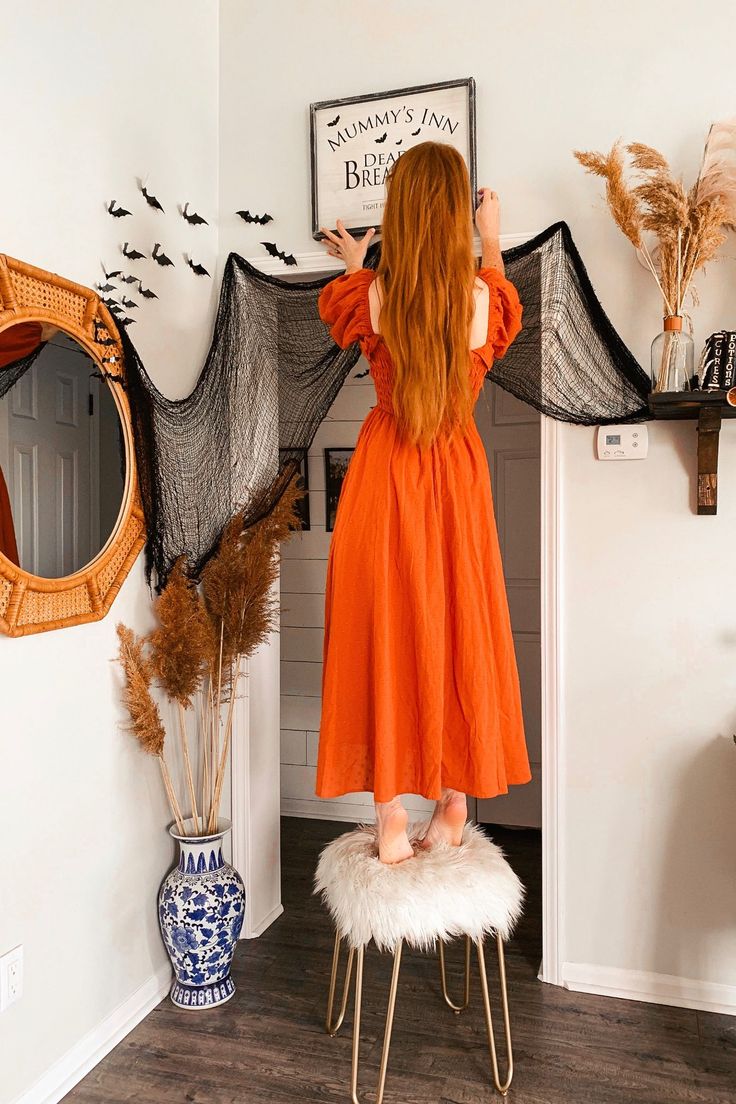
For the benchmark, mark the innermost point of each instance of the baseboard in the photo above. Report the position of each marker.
(351, 812)
(265, 922)
(640, 985)
(69, 1070)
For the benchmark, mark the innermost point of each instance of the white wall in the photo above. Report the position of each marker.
(648, 638)
(95, 97)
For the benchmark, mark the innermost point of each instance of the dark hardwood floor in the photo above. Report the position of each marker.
(268, 1045)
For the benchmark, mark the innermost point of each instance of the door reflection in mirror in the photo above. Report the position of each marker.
(62, 456)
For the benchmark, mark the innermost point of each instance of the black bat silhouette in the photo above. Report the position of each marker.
(112, 304)
(335, 121)
(399, 141)
(287, 258)
(106, 341)
(112, 275)
(260, 219)
(383, 137)
(132, 254)
(104, 288)
(151, 199)
(116, 212)
(194, 219)
(125, 322)
(415, 132)
(197, 269)
(128, 304)
(146, 292)
(130, 279)
(160, 257)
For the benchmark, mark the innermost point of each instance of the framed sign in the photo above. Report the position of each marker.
(355, 141)
(336, 466)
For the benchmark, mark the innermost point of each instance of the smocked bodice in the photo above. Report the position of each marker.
(344, 306)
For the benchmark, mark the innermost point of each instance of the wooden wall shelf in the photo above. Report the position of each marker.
(708, 408)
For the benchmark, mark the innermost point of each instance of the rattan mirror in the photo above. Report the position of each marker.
(71, 523)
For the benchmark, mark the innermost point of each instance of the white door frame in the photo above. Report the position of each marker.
(552, 729)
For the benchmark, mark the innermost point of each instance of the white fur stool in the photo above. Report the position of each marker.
(441, 893)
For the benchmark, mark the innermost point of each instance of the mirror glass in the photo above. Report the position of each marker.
(62, 452)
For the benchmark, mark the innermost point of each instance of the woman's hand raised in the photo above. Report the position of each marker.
(487, 216)
(346, 247)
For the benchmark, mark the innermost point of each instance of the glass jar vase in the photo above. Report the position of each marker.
(672, 357)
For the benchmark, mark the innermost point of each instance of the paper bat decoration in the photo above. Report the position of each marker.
(104, 288)
(260, 219)
(383, 138)
(146, 292)
(111, 304)
(151, 200)
(287, 258)
(112, 275)
(335, 121)
(194, 219)
(132, 254)
(116, 212)
(130, 279)
(160, 257)
(124, 322)
(129, 304)
(109, 375)
(197, 269)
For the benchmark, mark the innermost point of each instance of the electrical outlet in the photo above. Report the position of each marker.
(11, 977)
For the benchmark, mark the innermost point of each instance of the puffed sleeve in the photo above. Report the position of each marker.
(504, 314)
(343, 305)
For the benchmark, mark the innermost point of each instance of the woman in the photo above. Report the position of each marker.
(420, 691)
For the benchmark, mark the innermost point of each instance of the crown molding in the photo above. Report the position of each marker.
(319, 263)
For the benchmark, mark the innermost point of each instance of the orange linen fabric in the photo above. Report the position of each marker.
(18, 341)
(419, 680)
(8, 546)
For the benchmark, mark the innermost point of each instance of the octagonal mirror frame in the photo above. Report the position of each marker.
(30, 603)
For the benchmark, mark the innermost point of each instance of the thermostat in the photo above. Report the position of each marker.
(622, 442)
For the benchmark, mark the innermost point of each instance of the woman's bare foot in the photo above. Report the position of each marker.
(448, 820)
(393, 842)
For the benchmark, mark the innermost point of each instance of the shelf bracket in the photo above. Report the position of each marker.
(709, 428)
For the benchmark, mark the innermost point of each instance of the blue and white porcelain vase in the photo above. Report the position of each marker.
(200, 909)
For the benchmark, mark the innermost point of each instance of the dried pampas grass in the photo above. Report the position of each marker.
(689, 226)
(205, 632)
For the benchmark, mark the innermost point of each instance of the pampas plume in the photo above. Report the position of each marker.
(689, 225)
(145, 718)
(205, 633)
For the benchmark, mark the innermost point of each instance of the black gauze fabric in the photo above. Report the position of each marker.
(273, 372)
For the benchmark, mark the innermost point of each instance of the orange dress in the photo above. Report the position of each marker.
(420, 688)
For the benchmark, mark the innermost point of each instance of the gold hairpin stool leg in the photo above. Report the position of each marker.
(389, 1024)
(330, 1027)
(456, 1008)
(503, 1087)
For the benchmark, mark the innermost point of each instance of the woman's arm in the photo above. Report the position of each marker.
(487, 219)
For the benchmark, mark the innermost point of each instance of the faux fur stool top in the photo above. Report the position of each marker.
(441, 893)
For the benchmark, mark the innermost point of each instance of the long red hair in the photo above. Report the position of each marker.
(427, 271)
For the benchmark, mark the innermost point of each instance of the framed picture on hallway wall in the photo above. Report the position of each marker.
(336, 465)
(355, 141)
